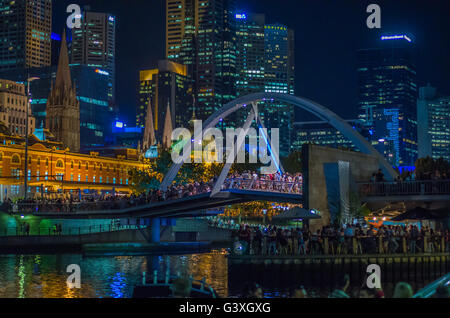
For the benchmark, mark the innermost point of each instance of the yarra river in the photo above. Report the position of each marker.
(44, 276)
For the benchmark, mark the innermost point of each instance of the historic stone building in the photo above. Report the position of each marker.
(13, 108)
(54, 170)
(63, 108)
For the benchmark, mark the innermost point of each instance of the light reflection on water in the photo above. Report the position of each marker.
(44, 276)
(37, 276)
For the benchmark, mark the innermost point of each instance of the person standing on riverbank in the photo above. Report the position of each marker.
(340, 291)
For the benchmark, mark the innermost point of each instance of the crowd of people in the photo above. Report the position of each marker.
(411, 176)
(247, 180)
(343, 290)
(347, 239)
(182, 287)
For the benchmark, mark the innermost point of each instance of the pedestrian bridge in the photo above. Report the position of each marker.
(234, 191)
(417, 190)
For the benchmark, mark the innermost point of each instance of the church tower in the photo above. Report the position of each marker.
(63, 108)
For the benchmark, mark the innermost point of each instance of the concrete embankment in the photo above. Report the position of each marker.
(325, 270)
(188, 235)
(65, 243)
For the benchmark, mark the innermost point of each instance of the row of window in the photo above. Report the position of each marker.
(60, 164)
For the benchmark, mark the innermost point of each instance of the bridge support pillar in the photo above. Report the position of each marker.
(155, 228)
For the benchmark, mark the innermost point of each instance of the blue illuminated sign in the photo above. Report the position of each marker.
(396, 37)
(241, 16)
(99, 71)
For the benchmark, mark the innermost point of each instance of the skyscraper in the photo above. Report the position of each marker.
(433, 124)
(25, 31)
(201, 35)
(166, 85)
(250, 52)
(63, 108)
(94, 44)
(387, 97)
(279, 78)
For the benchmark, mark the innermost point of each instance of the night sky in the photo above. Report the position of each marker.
(327, 33)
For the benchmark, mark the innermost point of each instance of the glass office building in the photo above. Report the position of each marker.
(433, 124)
(201, 34)
(387, 90)
(279, 78)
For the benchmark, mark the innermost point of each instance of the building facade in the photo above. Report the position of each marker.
(94, 44)
(13, 108)
(433, 124)
(53, 169)
(25, 32)
(323, 134)
(250, 48)
(201, 34)
(387, 88)
(167, 87)
(279, 78)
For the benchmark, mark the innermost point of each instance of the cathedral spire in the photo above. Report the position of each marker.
(63, 108)
(63, 73)
(149, 131)
(168, 128)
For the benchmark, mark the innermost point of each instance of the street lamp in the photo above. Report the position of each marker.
(29, 80)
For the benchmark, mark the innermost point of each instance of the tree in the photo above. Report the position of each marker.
(293, 163)
(425, 167)
(356, 208)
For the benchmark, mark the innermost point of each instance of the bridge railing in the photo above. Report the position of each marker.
(120, 204)
(263, 185)
(419, 187)
(70, 207)
(64, 231)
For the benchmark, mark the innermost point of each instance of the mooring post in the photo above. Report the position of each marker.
(325, 244)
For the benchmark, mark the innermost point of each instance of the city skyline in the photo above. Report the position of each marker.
(272, 149)
(325, 53)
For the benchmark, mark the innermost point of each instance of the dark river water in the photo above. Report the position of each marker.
(37, 276)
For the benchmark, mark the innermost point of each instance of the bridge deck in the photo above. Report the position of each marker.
(189, 206)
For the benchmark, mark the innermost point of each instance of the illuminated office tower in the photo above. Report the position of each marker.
(323, 134)
(433, 124)
(201, 35)
(94, 44)
(387, 93)
(25, 31)
(250, 51)
(166, 85)
(279, 78)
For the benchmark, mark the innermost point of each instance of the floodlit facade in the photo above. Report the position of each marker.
(54, 169)
(13, 108)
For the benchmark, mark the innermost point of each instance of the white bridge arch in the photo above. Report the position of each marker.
(314, 108)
